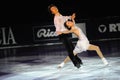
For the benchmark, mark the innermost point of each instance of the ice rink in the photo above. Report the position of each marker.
(45, 68)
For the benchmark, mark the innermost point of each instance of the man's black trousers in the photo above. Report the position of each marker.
(69, 46)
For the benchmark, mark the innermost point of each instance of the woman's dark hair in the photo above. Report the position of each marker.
(51, 5)
(66, 24)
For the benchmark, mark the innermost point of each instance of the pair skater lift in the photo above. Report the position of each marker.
(64, 26)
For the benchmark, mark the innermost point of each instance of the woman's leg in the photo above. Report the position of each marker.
(97, 49)
(64, 62)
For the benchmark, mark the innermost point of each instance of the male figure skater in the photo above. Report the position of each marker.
(82, 43)
(59, 25)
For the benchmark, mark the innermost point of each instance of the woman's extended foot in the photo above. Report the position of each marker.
(105, 61)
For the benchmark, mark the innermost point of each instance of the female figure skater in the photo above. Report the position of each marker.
(82, 44)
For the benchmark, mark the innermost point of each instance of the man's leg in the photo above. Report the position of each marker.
(75, 55)
(66, 60)
(69, 48)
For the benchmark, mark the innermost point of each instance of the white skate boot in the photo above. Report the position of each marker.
(61, 65)
(105, 61)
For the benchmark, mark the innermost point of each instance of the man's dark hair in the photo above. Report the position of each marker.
(51, 5)
(66, 24)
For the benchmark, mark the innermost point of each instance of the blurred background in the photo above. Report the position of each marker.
(30, 49)
(21, 35)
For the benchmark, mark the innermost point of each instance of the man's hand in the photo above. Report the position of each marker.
(73, 16)
(58, 32)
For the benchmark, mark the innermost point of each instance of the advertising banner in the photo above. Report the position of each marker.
(46, 34)
(25, 35)
(103, 29)
(15, 35)
(21, 35)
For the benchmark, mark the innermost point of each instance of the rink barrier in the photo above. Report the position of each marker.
(50, 44)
